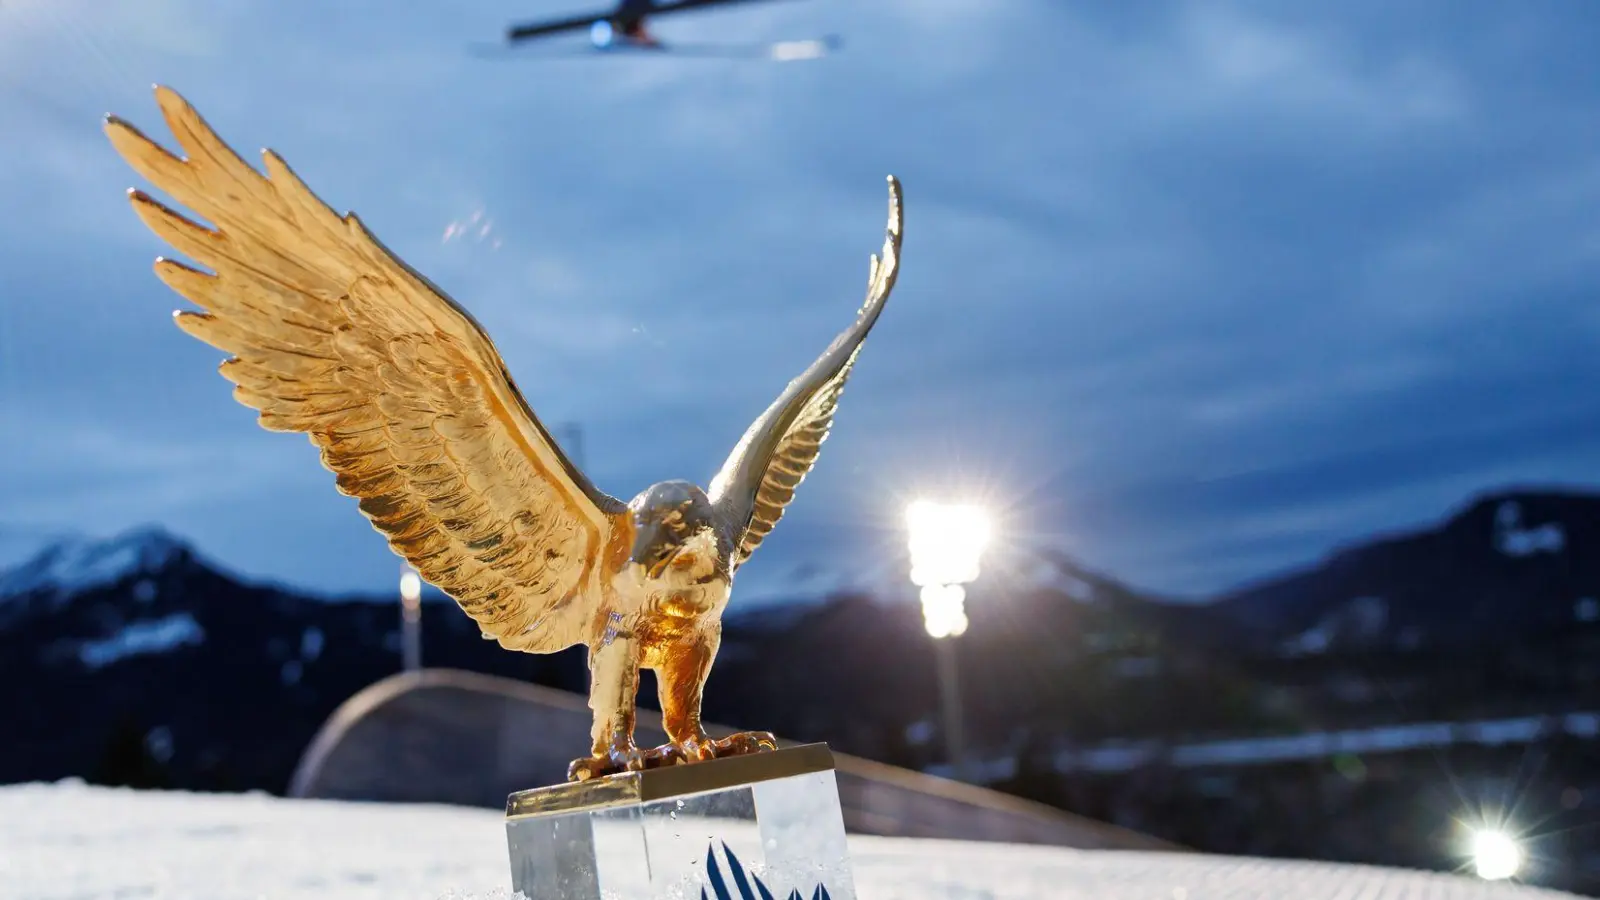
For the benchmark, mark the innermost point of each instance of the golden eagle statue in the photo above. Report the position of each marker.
(412, 408)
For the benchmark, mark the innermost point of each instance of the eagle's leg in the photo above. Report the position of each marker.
(682, 677)
(613, 690)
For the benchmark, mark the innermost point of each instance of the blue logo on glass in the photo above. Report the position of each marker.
(748, 886)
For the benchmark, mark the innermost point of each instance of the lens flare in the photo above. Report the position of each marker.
(1495, 855)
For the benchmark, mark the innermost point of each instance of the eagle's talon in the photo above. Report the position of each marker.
(678, 753)
(745, 742)
(620, 758)
(704, 749)
(697, 749)
(585, 768)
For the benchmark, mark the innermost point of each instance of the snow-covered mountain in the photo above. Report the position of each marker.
(1006, 569)
(135, 644)
(135, 641)
(1509, 564)
(138, 635)
(72, 565)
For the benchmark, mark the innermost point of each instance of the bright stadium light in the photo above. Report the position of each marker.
(410, 587)
(946, 543)
(942, 610)
(410, 619)
(1496, 855)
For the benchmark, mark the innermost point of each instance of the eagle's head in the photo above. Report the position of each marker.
(675, 533)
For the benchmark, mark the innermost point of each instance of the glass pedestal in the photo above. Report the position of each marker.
(761, 827)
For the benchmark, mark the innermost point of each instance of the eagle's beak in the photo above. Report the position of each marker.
(660, 565)
(701, 545)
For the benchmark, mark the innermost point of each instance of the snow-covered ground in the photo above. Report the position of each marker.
(72, 841)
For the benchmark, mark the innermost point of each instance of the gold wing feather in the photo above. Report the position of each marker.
(758, 480)
(403, 392)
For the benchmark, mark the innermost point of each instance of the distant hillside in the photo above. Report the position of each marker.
(141, 656)
(136, 642)
(1510, 565)
(136, 660)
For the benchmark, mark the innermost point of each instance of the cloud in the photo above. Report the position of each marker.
(1197, 289)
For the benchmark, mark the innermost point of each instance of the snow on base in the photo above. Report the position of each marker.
(73, 841)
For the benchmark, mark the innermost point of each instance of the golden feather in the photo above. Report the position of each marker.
(401, 390)
(757, 482)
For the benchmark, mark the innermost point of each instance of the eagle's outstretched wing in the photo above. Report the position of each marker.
(759, 478)
(399, 387)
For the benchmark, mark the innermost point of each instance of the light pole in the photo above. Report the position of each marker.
(946, 542)
(410, 619)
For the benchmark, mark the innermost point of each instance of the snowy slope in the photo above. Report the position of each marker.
(69, 566)
(71, 841)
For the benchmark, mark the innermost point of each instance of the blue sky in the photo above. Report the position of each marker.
(1194, 291)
